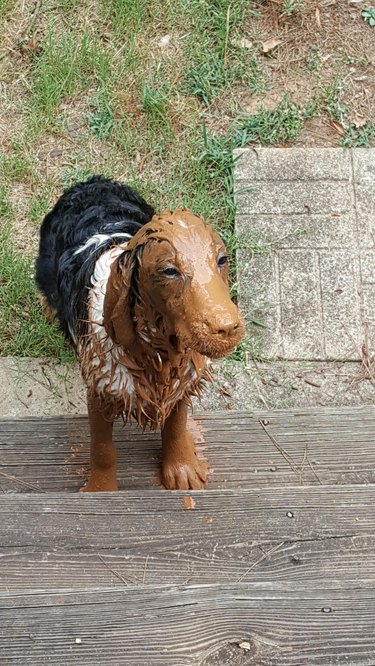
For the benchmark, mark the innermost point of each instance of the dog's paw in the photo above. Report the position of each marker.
(189, 474)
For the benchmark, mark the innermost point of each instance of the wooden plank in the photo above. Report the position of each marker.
(307, 447)
(179, 626)
(148, 537)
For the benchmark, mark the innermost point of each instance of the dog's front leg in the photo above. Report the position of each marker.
(180, 467)
(102, 453)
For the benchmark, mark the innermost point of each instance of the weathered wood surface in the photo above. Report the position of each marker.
(202, 625)
(275, 565)
(148, 537)
(305, 447)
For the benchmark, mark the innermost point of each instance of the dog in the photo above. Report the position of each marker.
(144, 300)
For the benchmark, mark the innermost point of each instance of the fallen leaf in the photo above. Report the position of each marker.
(339, 128)
(270, 44)
(358, 121)
(31, 44)
(189, 502)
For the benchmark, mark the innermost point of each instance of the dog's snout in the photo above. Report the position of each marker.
(226, 329)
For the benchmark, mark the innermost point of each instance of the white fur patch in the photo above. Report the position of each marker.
(98, 239)
(105, 372)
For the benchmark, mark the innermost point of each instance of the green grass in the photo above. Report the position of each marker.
(332, 99)
(65, 68)
(281, 125)
(5, 207)
(359, 137)
(101, 121)
(166, 120)
(214, 61)
(5, 7)
(15, 167)
(24, 330)
(290, 7)
(40, 204)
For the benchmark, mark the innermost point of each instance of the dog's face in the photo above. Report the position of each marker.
(181, 268)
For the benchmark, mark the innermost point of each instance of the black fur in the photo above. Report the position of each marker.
(98, 206)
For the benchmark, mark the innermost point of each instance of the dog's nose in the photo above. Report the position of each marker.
(227, 329)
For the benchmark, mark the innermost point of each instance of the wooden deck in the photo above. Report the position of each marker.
(274, 566)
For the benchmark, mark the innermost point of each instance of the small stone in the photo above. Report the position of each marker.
(290, 514)
(73, 129)
(56, 152)
(273, 469)
(295, 559)
(270, 44)
(245, 645)
(265, 422)
(326, 609)
(78, 641)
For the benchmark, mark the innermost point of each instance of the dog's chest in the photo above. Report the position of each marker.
(145, 394)
(146, 391)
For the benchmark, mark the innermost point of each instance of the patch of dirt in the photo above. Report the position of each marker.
(326, 49)
(325, 54)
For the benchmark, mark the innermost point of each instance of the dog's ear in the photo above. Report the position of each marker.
(117, 306)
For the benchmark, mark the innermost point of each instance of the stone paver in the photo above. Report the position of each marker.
(311, 215)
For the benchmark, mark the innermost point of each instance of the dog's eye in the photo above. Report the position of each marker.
(222, 260)
(171, 271)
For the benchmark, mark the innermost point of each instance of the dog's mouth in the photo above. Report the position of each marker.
(215, 347)
(208, 344)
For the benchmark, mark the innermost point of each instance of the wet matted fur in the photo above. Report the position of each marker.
(144, 299)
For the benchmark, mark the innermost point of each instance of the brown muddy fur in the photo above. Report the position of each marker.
(161, 328)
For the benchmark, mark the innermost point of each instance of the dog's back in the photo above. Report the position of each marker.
(88, 218)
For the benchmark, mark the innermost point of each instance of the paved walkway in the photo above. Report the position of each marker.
(310, 215)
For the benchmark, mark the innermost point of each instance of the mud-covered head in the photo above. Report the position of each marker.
(173, 281)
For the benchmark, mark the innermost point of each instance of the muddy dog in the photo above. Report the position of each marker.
(144, 299)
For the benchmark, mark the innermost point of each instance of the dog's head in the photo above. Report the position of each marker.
(172, 280)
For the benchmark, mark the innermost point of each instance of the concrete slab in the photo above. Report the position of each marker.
(310, 214)
(46, 388)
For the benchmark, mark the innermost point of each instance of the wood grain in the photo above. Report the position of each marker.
(184, 626)
(334, 446)
(274, 566)
(299, 534)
